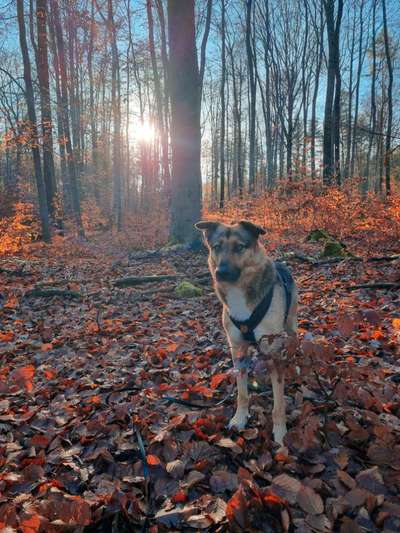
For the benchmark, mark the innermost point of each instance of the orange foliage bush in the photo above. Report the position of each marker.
(19, 229)
(290, 213)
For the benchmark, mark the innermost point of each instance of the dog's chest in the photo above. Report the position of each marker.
(237, 305)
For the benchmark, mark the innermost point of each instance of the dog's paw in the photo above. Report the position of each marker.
(239, 421)
(279, 432)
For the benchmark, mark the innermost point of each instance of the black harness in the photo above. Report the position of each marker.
(248, 326)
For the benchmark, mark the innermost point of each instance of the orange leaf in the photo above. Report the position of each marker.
(217, 379)
(6, 336)
(95, 399)
(11, 302)
(49, 373)
(30, 525)
(46, 346)
(396, 323)
(92, 327)
(273, 498)
(170, 348)
(23, 376)
(179, 497)
(153, 460)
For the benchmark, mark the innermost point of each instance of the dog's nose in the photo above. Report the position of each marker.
(224, 272)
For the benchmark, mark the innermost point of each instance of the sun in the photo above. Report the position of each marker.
(145, 132)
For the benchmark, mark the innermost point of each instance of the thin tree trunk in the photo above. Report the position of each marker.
(93, 126)
(75, 197)
(204, 44)
(222, 95)
(158, 98)
(388, 155)
(253, 89)
(373, 92)
(359, 68)
(350, 102)
(116, 111)
(332, 103)
(313, 131)
(30, 102)
(45, 105)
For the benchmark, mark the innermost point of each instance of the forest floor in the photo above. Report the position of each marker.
(93, 439)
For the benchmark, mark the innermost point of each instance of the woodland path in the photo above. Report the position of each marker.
(89, 442)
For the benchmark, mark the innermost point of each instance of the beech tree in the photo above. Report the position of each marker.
(184, 89)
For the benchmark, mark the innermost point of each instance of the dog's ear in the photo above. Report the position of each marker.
(253, 229)
(207, 227)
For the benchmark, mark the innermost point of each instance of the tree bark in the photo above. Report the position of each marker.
(222, 95)
(30, 102)
(45, 105)
(158, 98)
(116, 111)
(185, 121)
(387, 156)
(73, 182)
(331, 121)
(253, 93)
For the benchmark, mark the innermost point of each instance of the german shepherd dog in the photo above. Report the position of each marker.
(259, 300)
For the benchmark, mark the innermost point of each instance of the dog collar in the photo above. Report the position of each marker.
(248, 326)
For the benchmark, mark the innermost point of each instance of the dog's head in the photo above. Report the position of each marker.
(232, 248)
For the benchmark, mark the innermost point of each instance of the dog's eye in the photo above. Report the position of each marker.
(216, 248)
(239, 248)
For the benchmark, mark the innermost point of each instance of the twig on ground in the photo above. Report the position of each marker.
(50, 293)
(374, 286)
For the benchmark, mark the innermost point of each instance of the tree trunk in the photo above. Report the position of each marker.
(373, 92)
(222, 95)
(30, 102)
(75, 197)
(359, 68)
(388, 155)
(93, 126)
(204, 44)
(253, 89)
(116, 111)
(350, 103)
(158, 98)
(331, 122)
(313, 132)
(45, 105)
(185, 121)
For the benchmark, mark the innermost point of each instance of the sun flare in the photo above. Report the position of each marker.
(145, 132)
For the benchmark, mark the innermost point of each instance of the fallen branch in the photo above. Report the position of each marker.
(50, 293)
(374, 286)
(384, 258)
(144, 294)
(140, 280)
(17, 273)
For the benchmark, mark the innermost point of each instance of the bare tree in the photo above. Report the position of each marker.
(388, 155)
(332, 99)
(45, 104)
(30, 102)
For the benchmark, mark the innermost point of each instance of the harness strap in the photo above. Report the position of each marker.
(248, 326)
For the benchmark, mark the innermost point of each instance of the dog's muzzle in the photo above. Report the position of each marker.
(226, 273)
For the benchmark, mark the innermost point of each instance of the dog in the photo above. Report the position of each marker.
(259, 300)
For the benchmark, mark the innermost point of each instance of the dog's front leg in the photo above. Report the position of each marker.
(239, 420)
(278, 411)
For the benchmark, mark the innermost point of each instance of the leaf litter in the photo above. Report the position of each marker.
(89, 442)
